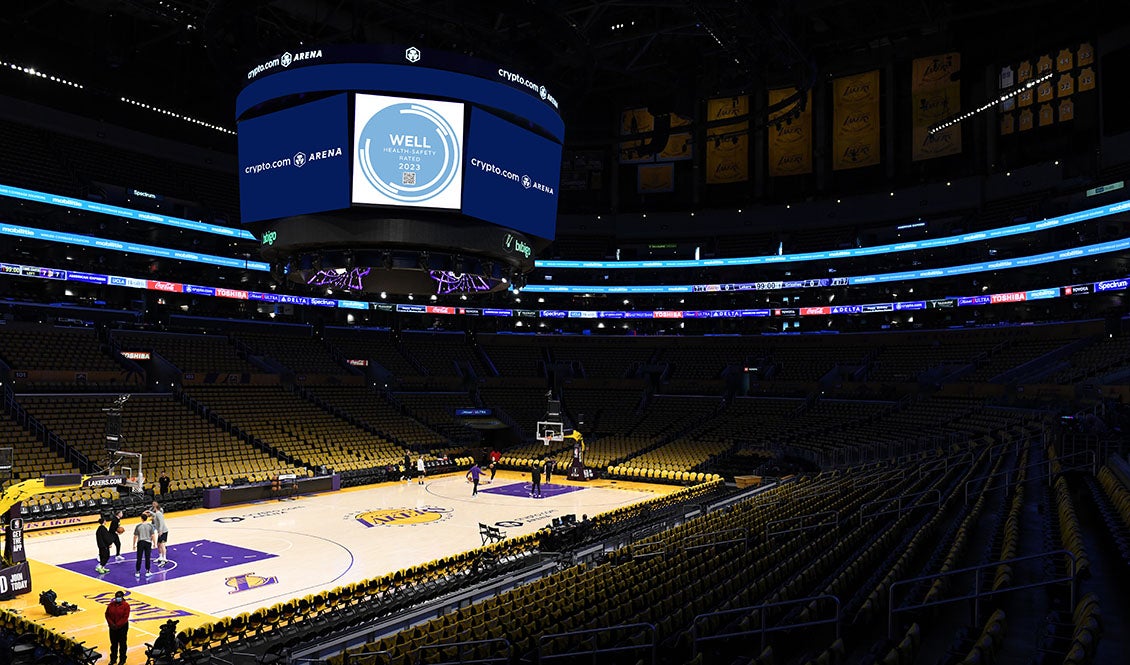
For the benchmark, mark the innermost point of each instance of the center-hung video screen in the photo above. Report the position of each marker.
(512, 176)
(295, 161)
(407, 152)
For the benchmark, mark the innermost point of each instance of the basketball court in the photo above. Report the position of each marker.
(235, 559)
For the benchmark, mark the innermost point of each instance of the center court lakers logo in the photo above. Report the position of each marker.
(402, 516)
(408, 152)
(248, 581)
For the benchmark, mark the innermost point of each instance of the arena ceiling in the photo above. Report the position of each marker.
(600, 54)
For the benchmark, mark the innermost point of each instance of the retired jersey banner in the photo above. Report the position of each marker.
(855, 133)
(727, 108)
(935, 95)
(653, 178)
(727, 154)
(790, 142)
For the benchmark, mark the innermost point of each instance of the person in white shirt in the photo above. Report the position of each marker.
(162, 532)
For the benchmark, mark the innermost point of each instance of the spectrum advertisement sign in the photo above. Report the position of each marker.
(512, 176)
(295, 161)
(407, 152)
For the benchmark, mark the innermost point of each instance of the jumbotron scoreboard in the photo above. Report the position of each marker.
(398, 169)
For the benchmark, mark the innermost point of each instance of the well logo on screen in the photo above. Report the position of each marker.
(408, 152)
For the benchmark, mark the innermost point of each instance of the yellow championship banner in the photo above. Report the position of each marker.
(935, 95)
(678, 147)
(855, 130)
(635, 152)
(790, 142)
(727, 108)
(636, 121)
(727, 154)
(653, 178)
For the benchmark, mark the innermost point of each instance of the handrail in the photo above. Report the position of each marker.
(863, 514)
(801, 518)
(348, 658)
(418, 655)
(1042, 462)
(648, 548)
(543, 657)
(744, 531)
(763, 630)
(978, 593)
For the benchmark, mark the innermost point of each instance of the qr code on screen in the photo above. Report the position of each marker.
(408, 178)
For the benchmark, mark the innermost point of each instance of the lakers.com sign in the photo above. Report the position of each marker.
(402, 516)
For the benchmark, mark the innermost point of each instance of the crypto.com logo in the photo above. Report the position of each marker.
(412, 54)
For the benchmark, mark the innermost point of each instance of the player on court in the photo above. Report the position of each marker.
(473, 476)
(144, 535)
(162, 532)
(116, 530)
(535, 481)
(421, 470)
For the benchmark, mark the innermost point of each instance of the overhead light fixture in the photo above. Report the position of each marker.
(953, 120)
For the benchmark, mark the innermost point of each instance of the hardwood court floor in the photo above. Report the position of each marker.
(230, 560)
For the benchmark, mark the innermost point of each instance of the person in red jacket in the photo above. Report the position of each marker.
(117, 618)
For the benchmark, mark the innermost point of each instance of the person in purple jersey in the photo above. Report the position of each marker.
(473, 477)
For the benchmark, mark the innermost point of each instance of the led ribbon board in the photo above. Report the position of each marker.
(1111, 285)
(1001, 232)
(125, 213)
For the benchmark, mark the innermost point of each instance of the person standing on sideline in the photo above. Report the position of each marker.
(164, 482)
(102, 536)
(548, 470)
(116, 531)
(535, 481)
(473, 476)
(421, 470)
(144, 538)
(162, 532)
(117, 620)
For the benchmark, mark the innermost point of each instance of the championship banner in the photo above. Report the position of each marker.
(727, 108)
(633, 152)
(655, 178)
(636, 121)
(855, 133)
(935, 95)
(790, 143)
(727, 154)
(678, 147)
